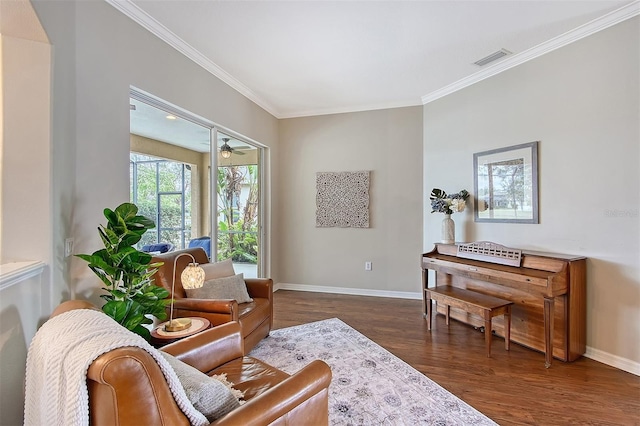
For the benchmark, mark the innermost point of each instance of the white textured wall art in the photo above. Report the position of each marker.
(342, 199)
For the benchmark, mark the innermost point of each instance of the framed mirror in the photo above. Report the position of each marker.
(506, 184)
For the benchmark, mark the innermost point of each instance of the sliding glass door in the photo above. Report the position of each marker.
(196, 198)
(238, 204)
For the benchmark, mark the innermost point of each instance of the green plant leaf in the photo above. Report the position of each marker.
(132, 321)
(160, 313)
(437, 193)
(144, 221)
(142, 331)
(121, 255)
(111, 216)
(141, 258)
(102, 275)
(146, 320)
(160, 292)
(130, 238)
(108, 236)
(86, 257)
(126, 272)
(118, 294)
(150, 297)
(127, 211)
(118, 309)
(98, 261)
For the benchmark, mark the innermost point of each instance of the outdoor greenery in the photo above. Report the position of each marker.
(126, 272)
(238, 224)
(158, 182)
(157, 176)
(512, 189)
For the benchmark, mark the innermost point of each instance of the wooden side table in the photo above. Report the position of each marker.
(160, 337)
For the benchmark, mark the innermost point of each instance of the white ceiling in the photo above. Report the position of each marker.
(298, 58)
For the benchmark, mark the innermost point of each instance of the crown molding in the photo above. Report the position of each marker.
(128, 8)
(350, 109)
(599, 24)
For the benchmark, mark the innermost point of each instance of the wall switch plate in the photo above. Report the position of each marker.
(68, 247)
(367, 266)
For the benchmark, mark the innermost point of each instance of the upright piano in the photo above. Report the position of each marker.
(548, 292)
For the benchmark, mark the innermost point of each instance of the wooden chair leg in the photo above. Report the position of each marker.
(428, 311)
(487, 332)
(448, 313)
(507, 328)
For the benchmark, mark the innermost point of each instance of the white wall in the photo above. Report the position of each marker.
(25, 202)
(582, 103)
(389, 144)
(22, 302)
(25, 171)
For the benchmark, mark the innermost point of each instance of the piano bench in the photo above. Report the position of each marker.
(472, 302)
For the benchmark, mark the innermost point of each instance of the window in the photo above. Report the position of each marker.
(162, 191)
(238, 215)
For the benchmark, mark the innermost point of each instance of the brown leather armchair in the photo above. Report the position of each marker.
(256, 318)
(127, 387)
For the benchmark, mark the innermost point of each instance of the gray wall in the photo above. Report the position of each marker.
(389, 144)
(94, 67)
(582, 103)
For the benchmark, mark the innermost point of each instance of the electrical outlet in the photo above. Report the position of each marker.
(367, 266)
(68, 247)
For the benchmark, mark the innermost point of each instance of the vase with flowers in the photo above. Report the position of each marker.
(441, 202)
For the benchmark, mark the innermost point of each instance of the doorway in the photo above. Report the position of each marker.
(238, 204)
(212, 201)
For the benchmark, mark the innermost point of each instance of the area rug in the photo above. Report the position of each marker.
(370, 386)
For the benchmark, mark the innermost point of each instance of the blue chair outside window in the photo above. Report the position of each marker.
(157, 248)
(204, 242)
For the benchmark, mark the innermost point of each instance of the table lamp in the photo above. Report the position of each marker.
(192, 277)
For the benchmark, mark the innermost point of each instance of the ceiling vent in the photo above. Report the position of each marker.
(493, 57)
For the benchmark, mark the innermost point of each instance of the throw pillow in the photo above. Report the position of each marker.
(218, 269)
(232, 287)
(212, 396)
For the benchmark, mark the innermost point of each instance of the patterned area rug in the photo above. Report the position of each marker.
(370, 386)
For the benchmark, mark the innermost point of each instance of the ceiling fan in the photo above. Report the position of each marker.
(226, 150)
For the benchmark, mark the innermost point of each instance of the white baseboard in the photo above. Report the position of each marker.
(613, 360)
(347, 290)
(591, 353)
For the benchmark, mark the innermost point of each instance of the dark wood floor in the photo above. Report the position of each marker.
(511, 387)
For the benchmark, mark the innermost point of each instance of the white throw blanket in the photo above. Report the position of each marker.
(58, 359)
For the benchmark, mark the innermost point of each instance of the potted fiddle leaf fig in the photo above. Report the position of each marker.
(126, 272)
